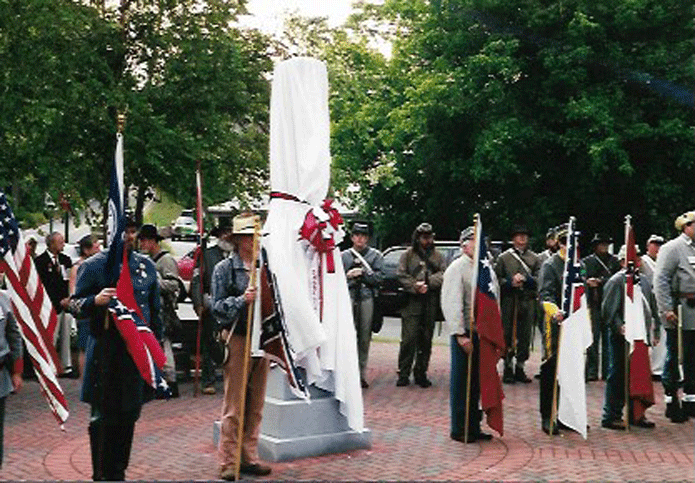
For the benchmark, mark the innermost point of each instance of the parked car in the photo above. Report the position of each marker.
(184, 228)
(391, 294)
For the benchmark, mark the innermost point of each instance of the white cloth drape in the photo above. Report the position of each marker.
(300, 168)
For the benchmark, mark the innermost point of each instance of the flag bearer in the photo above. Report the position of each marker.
(674, 287)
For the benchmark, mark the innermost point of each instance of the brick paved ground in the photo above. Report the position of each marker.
(173, 439)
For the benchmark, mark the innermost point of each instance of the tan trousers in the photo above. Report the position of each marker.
(255, 396)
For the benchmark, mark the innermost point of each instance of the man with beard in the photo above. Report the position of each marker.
(202, 302)
(420, 271)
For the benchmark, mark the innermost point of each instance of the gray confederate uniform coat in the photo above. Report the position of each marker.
(508, 264)
(10, 353)
(363, 290)
(420, 312)
(674, 286)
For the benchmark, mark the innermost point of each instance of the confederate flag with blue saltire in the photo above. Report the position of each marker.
(489, 326)
(143, 347)
(641, 389)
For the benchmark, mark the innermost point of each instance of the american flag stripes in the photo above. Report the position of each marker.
(33, 309)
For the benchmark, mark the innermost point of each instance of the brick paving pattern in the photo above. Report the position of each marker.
(173, 439)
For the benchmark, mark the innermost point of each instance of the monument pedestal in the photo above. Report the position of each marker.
(293, 429)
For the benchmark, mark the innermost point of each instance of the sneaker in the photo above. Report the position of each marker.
(209, 390)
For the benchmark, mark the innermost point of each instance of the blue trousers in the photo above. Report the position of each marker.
(615, 383)
(457, 389)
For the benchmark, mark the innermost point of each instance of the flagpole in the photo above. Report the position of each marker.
(553, 409)
(201, 273)
(247, 346)
(470, 330)
(626, 371)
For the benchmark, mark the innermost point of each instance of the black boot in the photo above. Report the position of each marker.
(174, 387)
(689, 408)
(674, 411)
(508, 377)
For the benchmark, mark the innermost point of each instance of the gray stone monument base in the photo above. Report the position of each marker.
(292, 428)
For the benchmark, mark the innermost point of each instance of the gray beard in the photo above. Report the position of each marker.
(225, 246)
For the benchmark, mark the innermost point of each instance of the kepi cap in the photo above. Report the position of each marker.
(360, 227)
(467, 234)
(658, 239)
(601, 238)
(622, 253)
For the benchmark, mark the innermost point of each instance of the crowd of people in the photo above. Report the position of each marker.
(527, 285)
(529, 289)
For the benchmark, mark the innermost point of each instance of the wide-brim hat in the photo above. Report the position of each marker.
(552, 233)
(361, 227)
(520, 230)
(684, 219)
(244, 224)
(149, 232)
(601, 238)
(561, 232)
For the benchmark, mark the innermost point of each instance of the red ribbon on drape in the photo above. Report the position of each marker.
(314, 231)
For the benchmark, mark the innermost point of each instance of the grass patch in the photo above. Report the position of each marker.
(161, 213)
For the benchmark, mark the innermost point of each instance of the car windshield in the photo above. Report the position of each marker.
(185, 220)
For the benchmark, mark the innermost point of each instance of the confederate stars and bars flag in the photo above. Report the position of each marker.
(640, 374)
(575, 339)
(34, 312)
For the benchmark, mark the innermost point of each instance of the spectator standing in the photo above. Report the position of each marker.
(53, 267)
(87, 247)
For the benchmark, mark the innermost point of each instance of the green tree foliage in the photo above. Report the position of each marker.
(56, 63)
(526, 110)
(191, 86)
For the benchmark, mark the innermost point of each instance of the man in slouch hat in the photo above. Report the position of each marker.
(420, 271)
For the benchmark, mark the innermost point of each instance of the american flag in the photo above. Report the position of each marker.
(141, 343)
(33, 309)
(640, 382)
(488, 322)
